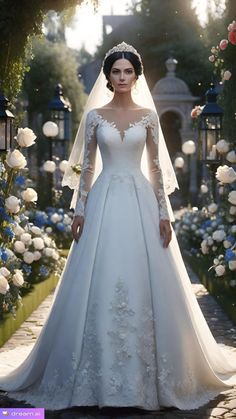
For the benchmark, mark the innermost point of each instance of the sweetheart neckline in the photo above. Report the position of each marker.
(131, 124)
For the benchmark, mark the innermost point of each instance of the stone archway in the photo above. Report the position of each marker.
(171, 125)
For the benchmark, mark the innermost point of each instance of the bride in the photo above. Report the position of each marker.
(125, 328)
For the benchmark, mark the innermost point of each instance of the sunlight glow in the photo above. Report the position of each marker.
(203, 7)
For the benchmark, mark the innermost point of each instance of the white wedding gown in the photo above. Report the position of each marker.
(125, 328)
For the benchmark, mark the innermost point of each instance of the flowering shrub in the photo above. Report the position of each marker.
(27, 253)
(210, 233)
(217, 53)
(56, 222)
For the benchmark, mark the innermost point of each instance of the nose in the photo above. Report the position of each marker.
(122, 76)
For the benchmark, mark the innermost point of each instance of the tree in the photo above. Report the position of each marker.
(164, 29)
(19, 22)
(53, 63)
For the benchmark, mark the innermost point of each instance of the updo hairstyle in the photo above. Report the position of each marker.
(130, 56)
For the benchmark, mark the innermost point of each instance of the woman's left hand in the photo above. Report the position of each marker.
(165, 232)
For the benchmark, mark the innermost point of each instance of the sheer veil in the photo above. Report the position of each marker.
(98, 97)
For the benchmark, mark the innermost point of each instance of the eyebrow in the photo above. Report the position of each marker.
(128, 68)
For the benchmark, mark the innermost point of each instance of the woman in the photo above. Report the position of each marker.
(125, 328)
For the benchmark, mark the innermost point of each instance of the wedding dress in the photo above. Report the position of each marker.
(125, 328)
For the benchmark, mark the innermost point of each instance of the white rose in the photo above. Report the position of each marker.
(10, 253)
(48, 251)
(49, 166)
(63, 165)
(233, 229)
(12, 204)
(216, 261)
(232, 197)
(28, 257)
(25, 137)
(210, 241)
(29, 195)
(232, 210)
(204, 247)
(212, 207)
(4, 271)
(47, 241)
(37, 255)
(222, 146)
(227, 244)
(231, 157)
(67, 220)
(55, 255)
(204, 188)
(38, 243)
(219, 270)
(225, 174)
(232, 265)
(19, 246)
(36, 230)
(18, 230)
(18, 278)
(56, 217)
(4, 286)
(219, 235)
(48, 230)
(227, 75)
(16, 160)
(26, 238)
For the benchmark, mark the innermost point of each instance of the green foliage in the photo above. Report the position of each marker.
(19, 21)
(164, 29)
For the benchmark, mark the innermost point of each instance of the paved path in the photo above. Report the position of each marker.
(223, 407)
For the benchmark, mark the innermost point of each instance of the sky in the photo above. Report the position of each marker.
(87, 26)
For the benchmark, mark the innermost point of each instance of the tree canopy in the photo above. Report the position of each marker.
(19, 21)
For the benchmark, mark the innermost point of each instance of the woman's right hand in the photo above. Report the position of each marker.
(78, 222)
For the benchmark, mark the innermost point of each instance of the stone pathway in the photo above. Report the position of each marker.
(223, 407)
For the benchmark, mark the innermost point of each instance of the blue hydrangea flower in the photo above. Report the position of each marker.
(26, 268)
(9, 232)
(43, 270)
(229, 255)
(3, 254)
(20, 180)
(60, 226)
(230, 239)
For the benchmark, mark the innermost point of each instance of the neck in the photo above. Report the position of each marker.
(122, 100)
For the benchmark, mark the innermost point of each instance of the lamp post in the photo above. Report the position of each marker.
(189, 148)
(50, 130)
(6, 128)
(210, 129)
(60, 113)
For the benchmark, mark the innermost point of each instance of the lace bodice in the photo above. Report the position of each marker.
(121, 151)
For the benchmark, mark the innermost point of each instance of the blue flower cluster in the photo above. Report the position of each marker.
(43, 271)
(3, 254)
(229, 255)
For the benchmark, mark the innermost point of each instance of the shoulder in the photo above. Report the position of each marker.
(92, 117)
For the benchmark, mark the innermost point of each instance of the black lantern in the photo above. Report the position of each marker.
(61, 114)
(6, 129)
(210, 127)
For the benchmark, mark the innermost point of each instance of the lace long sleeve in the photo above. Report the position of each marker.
(88, 165)
(155, 173)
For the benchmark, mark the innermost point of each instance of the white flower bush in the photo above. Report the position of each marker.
(25, 137)
(29, 195)
(226, 174)
(16, 160)
(222, 146)
(22, 261)
(12, 204)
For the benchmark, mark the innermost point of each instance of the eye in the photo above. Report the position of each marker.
(115, 71)
(129, 71)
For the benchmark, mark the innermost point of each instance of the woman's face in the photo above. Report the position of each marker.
(122, 75)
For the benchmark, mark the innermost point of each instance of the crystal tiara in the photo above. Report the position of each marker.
(123, 47)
